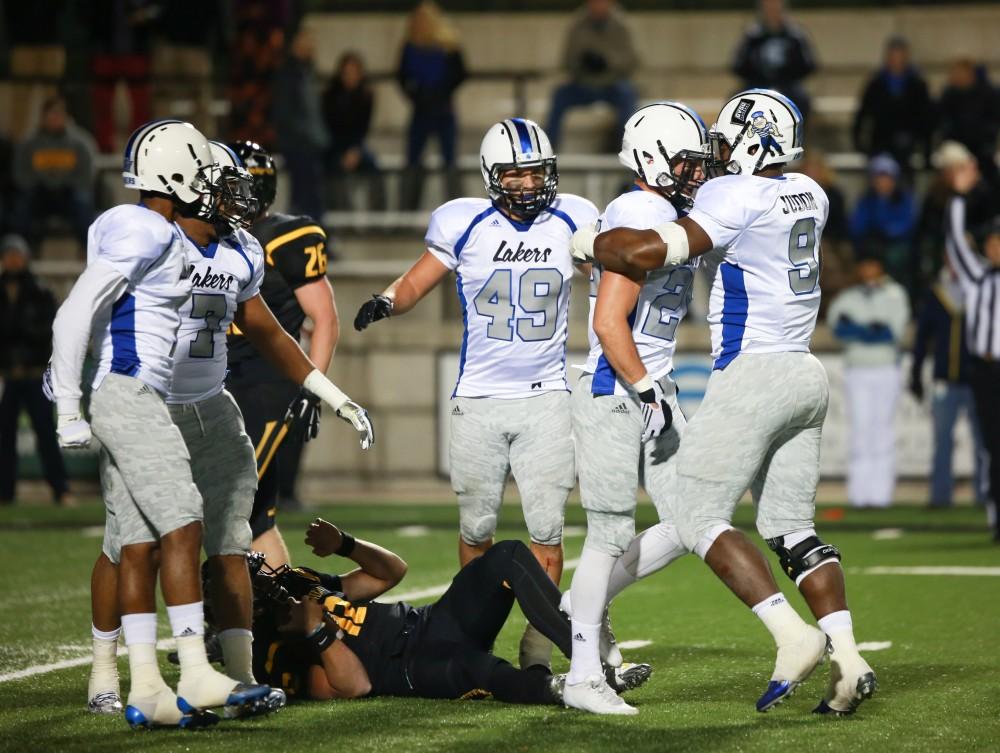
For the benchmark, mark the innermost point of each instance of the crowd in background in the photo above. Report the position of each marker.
(891, 239)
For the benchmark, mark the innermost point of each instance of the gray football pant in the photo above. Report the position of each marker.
(607, 431)
(145, 466)
(758, 428)
(529, 437)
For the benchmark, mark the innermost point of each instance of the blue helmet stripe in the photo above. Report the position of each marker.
(236, 159)
(681, 106)
(523, 135)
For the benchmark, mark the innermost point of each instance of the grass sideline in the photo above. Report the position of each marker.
(940, 678)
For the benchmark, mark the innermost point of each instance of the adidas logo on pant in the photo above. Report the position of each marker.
(456, 411)
(621, 408)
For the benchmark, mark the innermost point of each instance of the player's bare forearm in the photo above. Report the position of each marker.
(629, 252)
(257, 322)
(318, 303)
(616, 298)
(380, 569)
(343, 671)
(418, 281)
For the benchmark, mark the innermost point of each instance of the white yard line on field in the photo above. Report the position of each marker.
(887, 534)
(413, 532)
(874, 645)
(930, 570)
(634, 644)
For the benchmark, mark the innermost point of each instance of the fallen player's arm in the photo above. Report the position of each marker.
(255, 320)
(378, 568)
(340, 673)
(616, 298)
(628, 251)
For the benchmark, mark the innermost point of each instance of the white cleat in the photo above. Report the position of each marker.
(610, 653)
(796, 660)
(108, 702)
(596, 696)
(852, 682)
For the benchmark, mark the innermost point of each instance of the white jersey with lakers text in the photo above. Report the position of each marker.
(765, 295)
(663, 299)
(227, 272)
(137, 335)
(513, 282)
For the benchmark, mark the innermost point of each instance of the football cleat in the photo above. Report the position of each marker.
(108, 702)
(272, 702)
(852, 682)
(239, 694)
(627, 676)
(793, 665)
(596, 696)
(610, 653)
(162, 710)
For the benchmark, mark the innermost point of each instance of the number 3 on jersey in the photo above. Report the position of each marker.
(538, 293)
(212, 308)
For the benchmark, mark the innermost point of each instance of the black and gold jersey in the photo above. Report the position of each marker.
(295, 255)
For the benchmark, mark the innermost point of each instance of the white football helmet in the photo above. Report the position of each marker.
(173, 158)
(666, 144)
(232, 185)
(518, 143)
(761, 127)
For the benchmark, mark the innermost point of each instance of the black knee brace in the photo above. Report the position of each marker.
(803, 556)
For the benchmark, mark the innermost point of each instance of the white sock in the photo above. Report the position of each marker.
(187, 619)
(140, 637)
(237, 654)
(840, 627)
(589, 595)
(104, 662)
(650, 551)
(779, 618)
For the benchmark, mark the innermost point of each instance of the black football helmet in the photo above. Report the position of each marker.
(261, 165)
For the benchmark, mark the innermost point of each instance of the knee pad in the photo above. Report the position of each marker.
(704, 543)
(610, 533)
(805, 553)
(475, 529)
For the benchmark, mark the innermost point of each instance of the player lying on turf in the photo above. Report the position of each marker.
(321, 636)
(760, 423)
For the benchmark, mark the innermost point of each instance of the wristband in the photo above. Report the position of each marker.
(346, 545)
(644, 385)
(321, 637)
(325, 390)
(676, 240)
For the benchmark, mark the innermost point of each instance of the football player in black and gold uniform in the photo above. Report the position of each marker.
(321, 636)
(295, 286)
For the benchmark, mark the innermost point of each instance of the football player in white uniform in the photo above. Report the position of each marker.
(625, 412)
(511, 406)
(760, 423)
(228, 266)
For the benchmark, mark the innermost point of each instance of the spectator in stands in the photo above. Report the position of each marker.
(870, 319)
(776, 54)
(896, 112)
(884, 221)
(54, 176)
(431, 68)
(37, 56)
(969, 113)
(940, 324)
(121, 34)
(599, 56)
(347, 109)
(182, 59)
(836, 272)
(257, 53)
(26, 313)
(298, 122)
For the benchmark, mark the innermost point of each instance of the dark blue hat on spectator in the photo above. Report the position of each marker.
(883, 164)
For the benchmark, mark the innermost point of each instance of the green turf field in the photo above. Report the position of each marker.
(938, 667)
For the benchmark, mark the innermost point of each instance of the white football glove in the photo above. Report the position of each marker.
(357, 417)
(656, 414)
(47, 388)
(73, 431)
(582, 246)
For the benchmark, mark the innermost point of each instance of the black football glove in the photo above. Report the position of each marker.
(917, 387)
(303, 414)
(379, 307)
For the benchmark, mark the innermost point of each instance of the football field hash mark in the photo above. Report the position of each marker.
(634, 644)
(413, 532)
(887, 534)
(874, 645)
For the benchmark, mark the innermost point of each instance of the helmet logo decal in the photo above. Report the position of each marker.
(741, 112)
(768, 132)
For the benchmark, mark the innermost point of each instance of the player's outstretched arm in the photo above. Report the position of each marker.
(628, 251)
(378, 568)
(97, 288)
(257, 322)
(404, 293)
